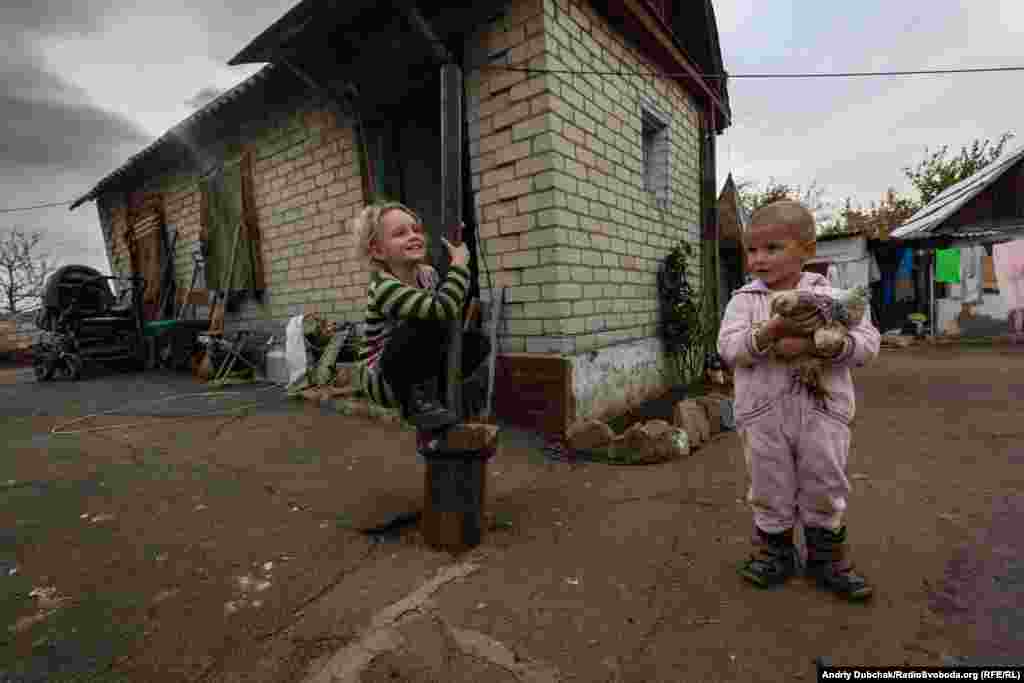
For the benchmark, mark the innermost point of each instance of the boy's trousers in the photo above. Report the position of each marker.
(796, 458)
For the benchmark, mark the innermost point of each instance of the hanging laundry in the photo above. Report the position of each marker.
(888, 280)
(905, 271)
(972, 274)
(947, 265)
(833, 277)
(903, 286)
(855, 273)
(1008, 259)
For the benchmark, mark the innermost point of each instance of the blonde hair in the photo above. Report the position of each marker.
(789, 213)
(367, 226)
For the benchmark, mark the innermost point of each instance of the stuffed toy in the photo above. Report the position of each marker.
(830, 313)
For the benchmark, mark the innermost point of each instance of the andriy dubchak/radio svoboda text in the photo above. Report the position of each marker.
(897, 675)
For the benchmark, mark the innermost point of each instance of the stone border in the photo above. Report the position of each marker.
(695, 422)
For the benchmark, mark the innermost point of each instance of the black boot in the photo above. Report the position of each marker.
(421, 409)
(828, 565)
(774, 561)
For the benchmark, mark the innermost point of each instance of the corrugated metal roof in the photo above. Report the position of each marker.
(292, 25)
(931, 216)
(178, 130)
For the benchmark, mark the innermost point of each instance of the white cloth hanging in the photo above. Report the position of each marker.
(874, 273)
(833, 276)
(849, 274)
(971, 274)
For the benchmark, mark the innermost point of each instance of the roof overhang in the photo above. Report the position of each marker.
(933, 220)
(179, 132)
(306, 23)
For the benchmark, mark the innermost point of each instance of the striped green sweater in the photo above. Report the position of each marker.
(389, 301)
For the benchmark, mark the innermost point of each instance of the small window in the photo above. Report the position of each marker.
(655, 156)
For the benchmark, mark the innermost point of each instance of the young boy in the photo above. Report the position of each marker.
(407, 314)
(795, 446)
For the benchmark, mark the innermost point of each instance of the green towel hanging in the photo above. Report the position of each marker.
(947, 265)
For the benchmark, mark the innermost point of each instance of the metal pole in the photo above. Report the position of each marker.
(451, 213)
(931, 292)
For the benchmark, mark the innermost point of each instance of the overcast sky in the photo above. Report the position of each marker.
(86, 84)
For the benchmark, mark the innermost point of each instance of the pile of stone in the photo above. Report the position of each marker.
(694, 422)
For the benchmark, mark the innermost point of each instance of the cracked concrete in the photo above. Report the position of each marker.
(411, 627)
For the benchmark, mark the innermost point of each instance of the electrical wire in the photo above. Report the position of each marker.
(728, 76)
(37, 206)
(672, 75)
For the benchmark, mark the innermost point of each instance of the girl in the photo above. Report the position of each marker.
(795, 445)
(407, 315)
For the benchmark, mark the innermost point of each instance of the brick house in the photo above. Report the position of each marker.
(574, 184)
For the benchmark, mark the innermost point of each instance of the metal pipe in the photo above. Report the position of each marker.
(931, 294)
(451, 209)
(423, 26)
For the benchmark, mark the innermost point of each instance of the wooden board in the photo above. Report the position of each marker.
(988, 268)
(196, 296)
(149, 250)
(534, 391)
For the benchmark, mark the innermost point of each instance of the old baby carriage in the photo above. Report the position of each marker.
(83, 322)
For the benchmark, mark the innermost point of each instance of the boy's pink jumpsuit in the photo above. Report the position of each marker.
(795, 449)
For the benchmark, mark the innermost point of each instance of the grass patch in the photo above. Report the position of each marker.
(78, 642)
(502, 520)
(303, 456)
(537, 457)
(611, 455)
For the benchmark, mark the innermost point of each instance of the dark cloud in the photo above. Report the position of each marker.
(55, 17)
(203, 97)
(49, 122)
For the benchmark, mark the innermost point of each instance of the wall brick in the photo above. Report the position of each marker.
(520, 259)
(516, 224)
(534, 126)
(586, 228)
(512, 153)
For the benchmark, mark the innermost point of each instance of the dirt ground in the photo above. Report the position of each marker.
(228, 548)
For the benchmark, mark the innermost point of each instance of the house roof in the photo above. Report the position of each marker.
(177, 132)
(732, 216)
(700, 43)
(930, 218)
(305, 24)
(291, 32)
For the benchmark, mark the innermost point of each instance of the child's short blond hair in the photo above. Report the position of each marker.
(367, 225)
(786, 212)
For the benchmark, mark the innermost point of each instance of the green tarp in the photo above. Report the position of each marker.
(947, 265)
(224, 204)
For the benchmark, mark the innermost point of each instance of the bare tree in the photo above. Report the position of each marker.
(753, 196)
(23, 270)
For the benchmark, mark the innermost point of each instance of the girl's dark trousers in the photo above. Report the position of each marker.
(417, 354)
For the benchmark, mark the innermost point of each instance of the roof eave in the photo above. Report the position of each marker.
(176, 131)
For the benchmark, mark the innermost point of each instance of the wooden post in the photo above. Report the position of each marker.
(455, 488)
